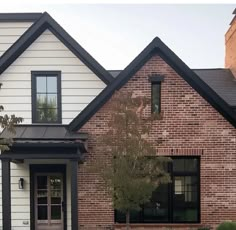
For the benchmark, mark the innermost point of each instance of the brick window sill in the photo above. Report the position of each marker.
(146, 226)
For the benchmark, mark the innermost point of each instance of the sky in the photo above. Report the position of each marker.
(114, 34)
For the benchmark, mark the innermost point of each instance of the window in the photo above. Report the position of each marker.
(156, 93)
(156, 98)
(46, 97)
(177, 202)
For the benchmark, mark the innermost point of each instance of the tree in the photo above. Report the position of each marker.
(8, 122)
(135, 171)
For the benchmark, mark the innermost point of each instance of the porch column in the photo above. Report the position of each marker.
(74, 195)
(6, 194)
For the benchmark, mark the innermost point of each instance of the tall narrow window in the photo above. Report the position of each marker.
(156, 81)
(46, 97)
(156, 98)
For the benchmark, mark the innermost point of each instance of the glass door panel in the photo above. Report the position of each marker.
(48, 202)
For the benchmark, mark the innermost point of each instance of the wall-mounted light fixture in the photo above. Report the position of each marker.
(21, 183)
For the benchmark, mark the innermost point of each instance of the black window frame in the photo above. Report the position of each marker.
(34, 75)
(171, 197)
(156, 80)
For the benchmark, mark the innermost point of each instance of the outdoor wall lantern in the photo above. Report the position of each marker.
(21, 183)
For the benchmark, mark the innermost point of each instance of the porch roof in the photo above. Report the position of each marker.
(43, 132)
(44, 142)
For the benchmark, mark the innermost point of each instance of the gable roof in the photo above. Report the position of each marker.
(155, 47)
(47, 22)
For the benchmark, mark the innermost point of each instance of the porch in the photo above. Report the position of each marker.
(40, 178)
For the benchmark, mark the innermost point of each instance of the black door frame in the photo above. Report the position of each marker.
(47, 168)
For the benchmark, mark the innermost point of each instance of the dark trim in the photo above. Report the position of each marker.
(156, 78)
(76, 151)
(74, 195)
(47, 144)
(156, 47)
(19, 17)
(52, 168)
(47, 22)
(34, 75)
(22, 156)
(6, 194)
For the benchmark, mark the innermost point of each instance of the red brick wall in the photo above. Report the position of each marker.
(190, 126)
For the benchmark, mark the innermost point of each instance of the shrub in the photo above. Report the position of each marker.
(227, 226)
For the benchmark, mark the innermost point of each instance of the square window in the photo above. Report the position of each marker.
(177, 202)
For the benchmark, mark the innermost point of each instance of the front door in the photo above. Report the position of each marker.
(48, 201)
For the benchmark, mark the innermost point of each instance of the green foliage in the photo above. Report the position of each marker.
(227, 226)
(135, 171)
(7, 122)
(46, 109)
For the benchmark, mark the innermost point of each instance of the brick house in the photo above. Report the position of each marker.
(63, 94)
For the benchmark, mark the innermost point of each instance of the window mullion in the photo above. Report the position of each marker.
(171, 193)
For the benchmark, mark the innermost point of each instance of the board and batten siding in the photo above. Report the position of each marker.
(20, 199)
(79, 84)
(10, 32)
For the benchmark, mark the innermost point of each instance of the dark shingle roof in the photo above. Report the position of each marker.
(221, 81)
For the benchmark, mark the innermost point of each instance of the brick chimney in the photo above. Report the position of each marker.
(230, 46)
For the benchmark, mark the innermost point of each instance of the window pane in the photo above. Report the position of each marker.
(56, 199)
(41, 115)
(56, 212)
(135, 217)
(52, 101)
(42, 101)
(156, 98)
(185, 165)
(185, 205)
(42, 200)
(157, 209)
(42, 212)
(41, 182)
(52, 84)
(41, 86)
(191, 165)
(51, 115)
(46, 115)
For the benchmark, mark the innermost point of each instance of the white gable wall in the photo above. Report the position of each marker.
(10, 32)
(79, 84)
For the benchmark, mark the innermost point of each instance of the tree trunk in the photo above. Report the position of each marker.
(127, 219)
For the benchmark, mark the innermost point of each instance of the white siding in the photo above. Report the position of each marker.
(79, 84)
(10, 32)
(21, 198)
